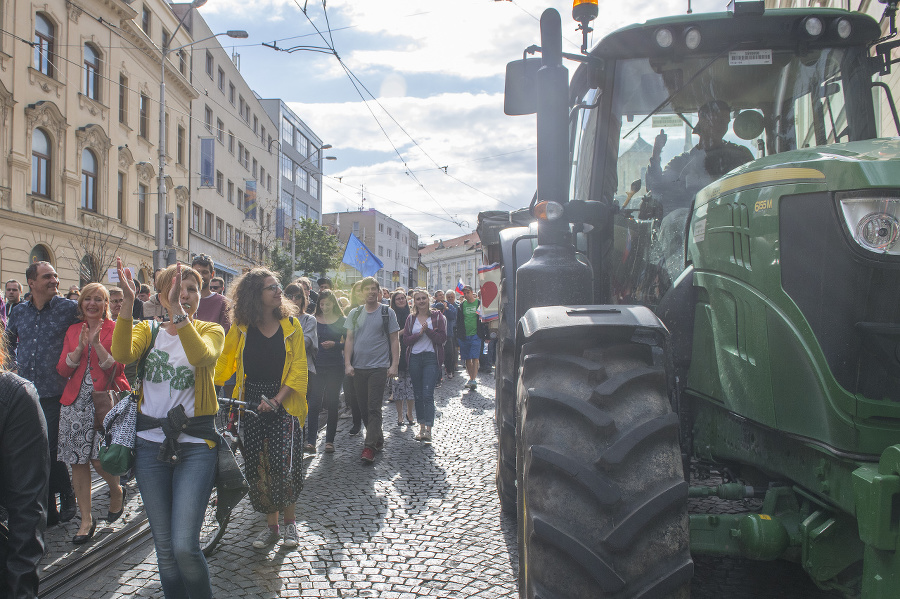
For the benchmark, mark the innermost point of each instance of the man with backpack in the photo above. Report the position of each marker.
(371, 355)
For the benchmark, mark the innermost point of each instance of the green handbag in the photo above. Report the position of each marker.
(120, 424)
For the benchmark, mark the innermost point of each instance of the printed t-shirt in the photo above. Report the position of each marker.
(168, 382)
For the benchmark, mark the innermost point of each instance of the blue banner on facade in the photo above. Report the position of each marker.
(250, 201)
(207, 162)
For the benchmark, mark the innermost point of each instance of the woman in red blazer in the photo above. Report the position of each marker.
(89, 366)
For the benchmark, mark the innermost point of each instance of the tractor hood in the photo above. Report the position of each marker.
(839, 167)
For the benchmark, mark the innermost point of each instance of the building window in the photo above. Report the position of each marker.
(91, 73)
(88, 180)
(313, 186)
(179, 150)
(241, 106)
(302, 145)
(228, 235)
(220, 131)
(241, 153)
(209, 64)
(356, 228)
(220, 183)
(120, 196)
(255, 124)
(166, 38)
(381, 227)
(255, 164)
(182, 62)
(219, 227)
(262, 176)
(195, 217)
(179, 217)
(269, 182)
(143, 192)
(240, 196)
(231, 93)
(207, 119)
(123, 99)
(302, 179)
(246, 158)
(231, 142)
(144, 128)
(381, 250)
(208, 224)
(237, 241)
(397, 234)
(287, 168)
(43, 45)
(287, 132)
(230, 191)
(146, 19)
(221, 80)
(40, 163)
(262, 136)
(389, 231)
(390, 253)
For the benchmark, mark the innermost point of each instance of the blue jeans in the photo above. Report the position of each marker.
(424, 372)
(175, 497)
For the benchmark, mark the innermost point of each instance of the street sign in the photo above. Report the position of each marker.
(170, 229)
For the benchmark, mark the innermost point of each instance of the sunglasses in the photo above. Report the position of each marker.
(272, 287)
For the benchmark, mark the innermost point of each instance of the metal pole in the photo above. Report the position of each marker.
(160, 257)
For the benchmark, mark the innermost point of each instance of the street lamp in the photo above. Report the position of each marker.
(160, 258)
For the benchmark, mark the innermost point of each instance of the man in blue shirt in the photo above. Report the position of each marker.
(35, 332)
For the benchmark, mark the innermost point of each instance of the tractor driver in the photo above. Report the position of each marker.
(690, 172)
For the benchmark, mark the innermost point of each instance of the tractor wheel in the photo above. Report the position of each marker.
(602, 497)
(505, 417)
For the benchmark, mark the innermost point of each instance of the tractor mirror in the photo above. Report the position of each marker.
(520, 94)
(748, 124)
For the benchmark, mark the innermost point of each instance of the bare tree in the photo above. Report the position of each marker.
(94, 253)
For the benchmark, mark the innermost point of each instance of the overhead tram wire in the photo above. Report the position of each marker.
(386, 199)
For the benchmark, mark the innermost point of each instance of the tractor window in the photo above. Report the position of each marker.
(583, 136)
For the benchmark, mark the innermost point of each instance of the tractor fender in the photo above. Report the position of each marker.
(635, 324)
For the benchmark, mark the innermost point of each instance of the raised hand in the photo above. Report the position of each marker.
(175, 293)
(659, 142)
(95, 336)
(126, 284)
(84, 337)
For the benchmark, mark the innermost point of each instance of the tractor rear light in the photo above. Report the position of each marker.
(692, 38)
(548, 210)
(874, 223)
(843, 28)
(664, 37)
(813, 26)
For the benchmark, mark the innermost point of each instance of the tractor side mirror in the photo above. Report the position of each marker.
(520, 94)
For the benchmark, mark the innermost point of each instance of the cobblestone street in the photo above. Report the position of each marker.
(423, 521)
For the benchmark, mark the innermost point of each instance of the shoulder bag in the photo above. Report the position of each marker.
(106, 399)
(120, 424)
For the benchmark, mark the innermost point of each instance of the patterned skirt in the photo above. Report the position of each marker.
(273, 453)
(401, 387)
(78, 441)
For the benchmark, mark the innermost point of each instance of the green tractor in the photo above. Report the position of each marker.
(708, 277)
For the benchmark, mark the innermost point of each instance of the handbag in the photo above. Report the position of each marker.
(120, 424)
(105, 400)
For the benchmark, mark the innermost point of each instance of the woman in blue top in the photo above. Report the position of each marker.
(325, 385)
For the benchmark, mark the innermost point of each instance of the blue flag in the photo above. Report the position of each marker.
(360, 257)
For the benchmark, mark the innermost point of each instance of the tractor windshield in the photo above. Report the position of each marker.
(676, 125)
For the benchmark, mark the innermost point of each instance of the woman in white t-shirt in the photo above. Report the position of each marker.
(424, 336)
(175, 475)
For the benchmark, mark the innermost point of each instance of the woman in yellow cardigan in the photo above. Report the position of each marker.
(178, 374)
(265, 347)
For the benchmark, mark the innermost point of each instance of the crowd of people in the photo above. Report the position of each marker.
(288, 352)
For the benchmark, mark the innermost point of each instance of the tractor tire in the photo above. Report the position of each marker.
(602, 496)
(505, 417)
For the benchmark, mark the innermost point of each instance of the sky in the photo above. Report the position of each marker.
(434, 147)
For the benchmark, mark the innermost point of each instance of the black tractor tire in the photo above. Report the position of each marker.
(505, 417)
(602, 494)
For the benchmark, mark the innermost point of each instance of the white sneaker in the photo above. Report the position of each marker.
(290, 536)
(267, 538)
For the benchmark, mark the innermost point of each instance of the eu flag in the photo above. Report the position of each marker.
(361, 258)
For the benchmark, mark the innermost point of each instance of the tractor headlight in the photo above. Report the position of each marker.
(874, 223)
(664, 38)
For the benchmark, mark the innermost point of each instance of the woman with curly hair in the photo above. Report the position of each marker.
(266, 348)
(87, 363)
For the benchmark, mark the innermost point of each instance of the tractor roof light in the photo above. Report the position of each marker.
(874, 223)
(550, 211)
(813, 26)
(843, 28)
(692, 38)
(664, 38)
(585, 11)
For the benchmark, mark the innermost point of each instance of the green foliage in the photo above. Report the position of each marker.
(317, 249)
(281, 264)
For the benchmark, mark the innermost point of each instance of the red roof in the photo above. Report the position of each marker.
(470, 241)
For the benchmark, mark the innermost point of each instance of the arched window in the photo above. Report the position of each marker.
(40, 253)
(88, 180)
(91, 73)
(43, 45)
(40, 163)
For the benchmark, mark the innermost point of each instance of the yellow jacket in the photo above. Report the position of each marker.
(293, 374)
(202, 342)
